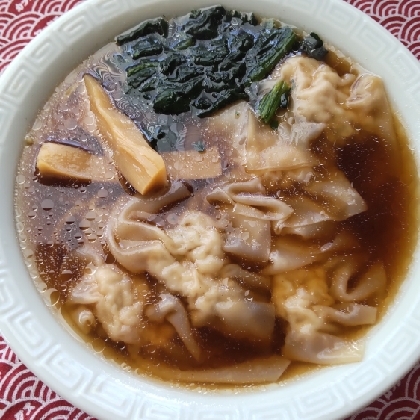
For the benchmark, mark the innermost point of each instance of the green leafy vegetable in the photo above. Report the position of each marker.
(151, 26)
(270, 48)
(210, 54)
(208, 60)
(245, 17)
(271, 101)
(175, 98)
(181, 41)
(204, 61)
(140, 73)
(170, 62)
(203, 24)
(242, 42)
(313, 47)
(147, 46)
(142, 67)
(216, 101)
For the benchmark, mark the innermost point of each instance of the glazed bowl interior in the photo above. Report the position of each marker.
(62, 361)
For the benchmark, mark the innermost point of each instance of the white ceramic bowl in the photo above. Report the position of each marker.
(99, 387)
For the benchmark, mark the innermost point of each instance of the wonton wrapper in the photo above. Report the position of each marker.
(344, 104)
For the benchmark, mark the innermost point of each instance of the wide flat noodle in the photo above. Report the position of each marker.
(248, 208)
(188, 260)
(251, 372)
(343, 201)
(351, 315)
(370, 283)
(291, 253)
(322, 349)
(247, 278)
(247, 237)
(287, 149)
(171, 308)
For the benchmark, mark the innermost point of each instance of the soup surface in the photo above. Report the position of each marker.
(218, 199)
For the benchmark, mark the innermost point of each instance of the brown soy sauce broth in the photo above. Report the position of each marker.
(54, 219)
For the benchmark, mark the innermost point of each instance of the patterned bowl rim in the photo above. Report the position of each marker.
(99, 387)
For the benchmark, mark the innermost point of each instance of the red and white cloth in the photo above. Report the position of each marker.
(25, 397)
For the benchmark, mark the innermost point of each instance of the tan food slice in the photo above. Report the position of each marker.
(191, 164)
(143, 167)
(68, 162)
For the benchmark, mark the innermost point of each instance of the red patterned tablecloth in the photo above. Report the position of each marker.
(22, 395)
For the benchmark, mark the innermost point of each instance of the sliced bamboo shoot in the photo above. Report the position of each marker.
(191, 164)
(142, 166)
(70, 163)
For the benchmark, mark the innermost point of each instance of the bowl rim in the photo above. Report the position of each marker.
(98, 386)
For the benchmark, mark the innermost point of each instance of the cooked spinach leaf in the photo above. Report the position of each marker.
(147, 46)
(206, 60)
(271, 101)
(271, 46)
(313, 47)
(151, 26)
(204, 23)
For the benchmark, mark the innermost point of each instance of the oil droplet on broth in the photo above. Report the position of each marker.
(90, 122)
(39, 123)
(91, 215)
(172, 219)
(28, 252)
(88, 231)
(103, 193)
(47, 204)
(70, 123)
(109, 174)
(84, 224)
(92, 238)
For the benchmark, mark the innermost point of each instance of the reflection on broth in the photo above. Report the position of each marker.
(208, 229)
